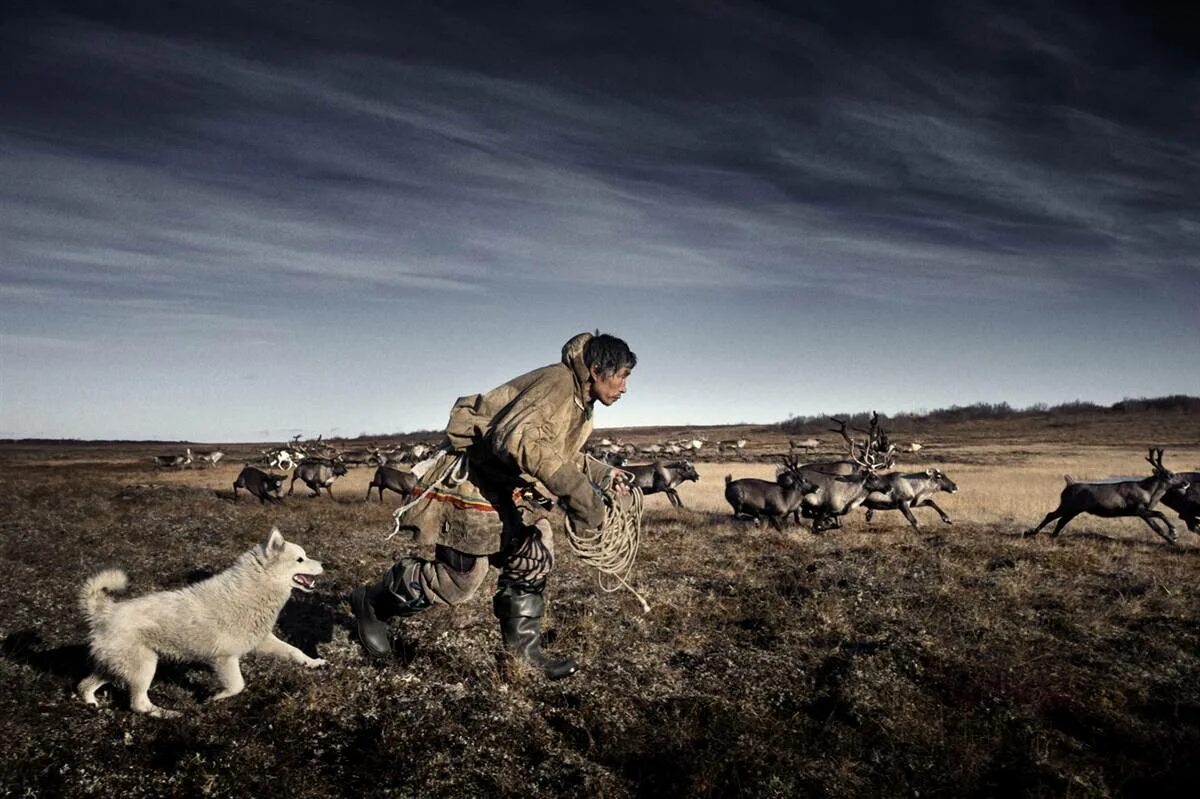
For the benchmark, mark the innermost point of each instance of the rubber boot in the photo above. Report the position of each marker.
(520, 612)
(374, 605)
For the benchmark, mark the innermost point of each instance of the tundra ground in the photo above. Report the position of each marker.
(956, 660)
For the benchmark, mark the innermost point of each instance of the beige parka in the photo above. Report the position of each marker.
(527, 433)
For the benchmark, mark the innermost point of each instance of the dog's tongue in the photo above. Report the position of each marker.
(306, 580)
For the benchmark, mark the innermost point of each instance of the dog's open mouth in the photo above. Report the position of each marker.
(305, 582)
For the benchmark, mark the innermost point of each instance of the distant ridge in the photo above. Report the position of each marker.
(1182, 404)
(902, 422)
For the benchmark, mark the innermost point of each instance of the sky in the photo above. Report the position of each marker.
(226, 223)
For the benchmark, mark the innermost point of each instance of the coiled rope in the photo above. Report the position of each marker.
(612, 550)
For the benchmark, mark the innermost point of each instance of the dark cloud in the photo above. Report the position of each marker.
(244, 164)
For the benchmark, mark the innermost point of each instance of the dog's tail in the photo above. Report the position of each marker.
(93, 597)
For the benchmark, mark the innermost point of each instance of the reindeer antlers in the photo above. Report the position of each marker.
(1155, 459)
(876, 453)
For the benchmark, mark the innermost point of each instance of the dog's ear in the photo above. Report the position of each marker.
(275, 542)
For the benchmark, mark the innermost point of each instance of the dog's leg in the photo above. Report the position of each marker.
(139, 679)
(88, 687)
(230, 673)
(273, 646)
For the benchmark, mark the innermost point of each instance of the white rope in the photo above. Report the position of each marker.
(612, 550)
(455, 474)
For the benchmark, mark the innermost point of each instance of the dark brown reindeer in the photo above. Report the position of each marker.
(1124, 498)
(662, 476)
(318, 473)
(756, 499)
(402, 481)
(1186, 501)
(261, 484)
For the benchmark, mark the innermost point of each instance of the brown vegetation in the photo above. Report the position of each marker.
(962, 660)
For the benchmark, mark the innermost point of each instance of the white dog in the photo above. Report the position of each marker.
(216, 621)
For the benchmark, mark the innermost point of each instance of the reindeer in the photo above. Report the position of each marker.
(281, 458)
(261, 484)
(173, 461)
(209, 459)
(910, 491)
(660, 476)
(806, 444)
(402, 481)
(318, 473)
(754, 498)
(841, 486)
(618, 458)
(1186, 501)
(1124, 498)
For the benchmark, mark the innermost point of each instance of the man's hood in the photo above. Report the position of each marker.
(572, 356)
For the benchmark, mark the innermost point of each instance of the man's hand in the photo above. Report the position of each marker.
(620, 482)
(583, 500)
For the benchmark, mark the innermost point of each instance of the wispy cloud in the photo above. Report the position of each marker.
(262, 170)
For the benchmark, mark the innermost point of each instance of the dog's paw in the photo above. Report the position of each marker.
(315, 663)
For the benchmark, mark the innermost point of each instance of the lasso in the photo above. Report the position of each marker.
(612, 550)
(455, 473)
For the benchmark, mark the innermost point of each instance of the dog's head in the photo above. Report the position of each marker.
(288, 562)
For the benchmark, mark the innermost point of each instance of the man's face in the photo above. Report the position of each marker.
(609, 388)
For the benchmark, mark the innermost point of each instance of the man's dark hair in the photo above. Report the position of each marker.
(607, 354)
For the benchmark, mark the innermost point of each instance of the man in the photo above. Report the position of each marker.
(481, 502)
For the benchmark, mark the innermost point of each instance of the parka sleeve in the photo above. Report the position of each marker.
(529, 437)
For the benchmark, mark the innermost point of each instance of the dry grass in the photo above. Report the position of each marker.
(960, 660)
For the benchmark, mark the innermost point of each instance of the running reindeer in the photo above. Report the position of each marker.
(841, 486)
(1124, 498)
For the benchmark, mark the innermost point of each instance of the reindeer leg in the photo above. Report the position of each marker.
(908, 514)
(1062, 522)
(931, 504)
(1149, 515)
(1051, 516)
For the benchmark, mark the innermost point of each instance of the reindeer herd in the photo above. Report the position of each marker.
(316, 464)
(823, 492)
(826, 491)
